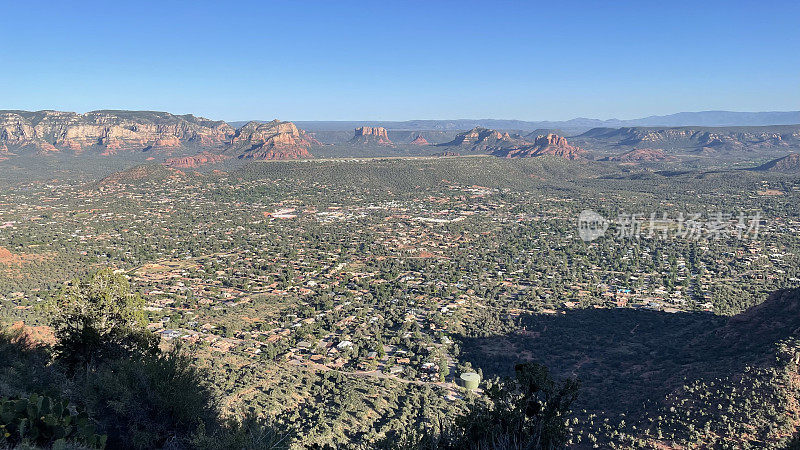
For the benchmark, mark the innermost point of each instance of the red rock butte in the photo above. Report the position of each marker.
(371, 135)
(419, 140)
(272, 140)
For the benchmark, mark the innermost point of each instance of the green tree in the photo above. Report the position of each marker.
(529, 411)
(98, 318)
(444, 370)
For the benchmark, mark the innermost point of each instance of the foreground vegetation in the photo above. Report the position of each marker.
(105, 382)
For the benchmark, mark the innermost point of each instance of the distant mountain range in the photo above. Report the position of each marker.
(190, 141)
(694, 140)
(702, 118)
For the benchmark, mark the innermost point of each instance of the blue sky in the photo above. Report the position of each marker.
(385, 60)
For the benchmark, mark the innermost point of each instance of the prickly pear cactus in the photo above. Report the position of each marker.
(44, 421)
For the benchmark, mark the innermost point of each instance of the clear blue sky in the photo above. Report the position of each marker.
(384, 60)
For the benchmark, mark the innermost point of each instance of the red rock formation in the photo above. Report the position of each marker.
(108, 131)
(485, 140)
(167, 142)
(4, 153)
(419, 140)
(272, 140)
(45, 148)
(371, 135)
(200, 159)
(551, 144)
(72, 145)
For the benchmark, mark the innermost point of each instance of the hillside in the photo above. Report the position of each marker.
(695, 140)
(788, 164)
(658, 377)
(140, 175)
(640, 155)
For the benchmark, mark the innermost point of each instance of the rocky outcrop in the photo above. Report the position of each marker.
(640, 155)
(271, 140)
(419, 140)
(485, 140)
(166, 142)
(4, 153)
(788, 164)
(107, 132)
(371, 135)
(550, 144)
(190, 162)
(505, 145)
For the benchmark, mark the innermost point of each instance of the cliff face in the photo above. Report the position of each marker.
(117, 132)
(272, 140)
(107, 131)
(371, 135)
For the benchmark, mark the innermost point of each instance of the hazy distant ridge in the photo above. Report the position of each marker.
(702, 118)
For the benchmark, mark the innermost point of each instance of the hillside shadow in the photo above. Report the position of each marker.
(24, 366)
(625, 357)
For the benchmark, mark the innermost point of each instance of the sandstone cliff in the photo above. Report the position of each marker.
(122, 132)
(107, 132)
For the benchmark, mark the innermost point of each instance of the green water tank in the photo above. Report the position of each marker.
(470, 380)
